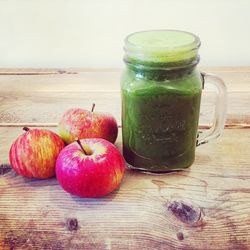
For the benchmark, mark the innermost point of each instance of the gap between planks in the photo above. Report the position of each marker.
(202, 126)
(76, 70)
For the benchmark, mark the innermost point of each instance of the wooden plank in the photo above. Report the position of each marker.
(236, 79)
(48, 107)
(205, 207)
(42, 98)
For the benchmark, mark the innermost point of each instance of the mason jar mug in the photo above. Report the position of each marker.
(161, 94)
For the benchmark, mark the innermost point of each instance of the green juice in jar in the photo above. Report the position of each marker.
(161, 92)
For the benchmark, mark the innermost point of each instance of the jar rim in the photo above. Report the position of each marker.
(196, 40)
(181, 46)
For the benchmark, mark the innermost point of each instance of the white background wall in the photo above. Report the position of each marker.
(89, 33)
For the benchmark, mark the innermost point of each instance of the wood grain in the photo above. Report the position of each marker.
(143, 212)
(44, 96)
(204, 207)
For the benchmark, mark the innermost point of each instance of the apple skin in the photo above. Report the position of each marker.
(78, 123)
(33, 154)
(90, 176)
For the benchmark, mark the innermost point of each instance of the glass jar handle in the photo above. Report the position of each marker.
(220, 109)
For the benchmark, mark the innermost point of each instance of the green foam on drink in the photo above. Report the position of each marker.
(162, 46)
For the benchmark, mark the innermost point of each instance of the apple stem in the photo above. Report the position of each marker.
(26, 129)
(79, 143)
(93, 107)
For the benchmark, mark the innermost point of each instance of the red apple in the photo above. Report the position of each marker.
(78, 123)
(90, 168)
(34, 153)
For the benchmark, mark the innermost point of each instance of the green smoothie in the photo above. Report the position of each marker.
(161, 92)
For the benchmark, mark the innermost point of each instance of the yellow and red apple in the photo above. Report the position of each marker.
(33, 154)
(78, 123)
(90, 168)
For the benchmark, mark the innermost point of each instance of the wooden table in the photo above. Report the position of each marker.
(204, 207)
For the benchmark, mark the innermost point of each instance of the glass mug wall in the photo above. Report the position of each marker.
(161, 94)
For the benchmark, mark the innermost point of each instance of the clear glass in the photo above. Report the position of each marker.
(161, 92)
(220, 109)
